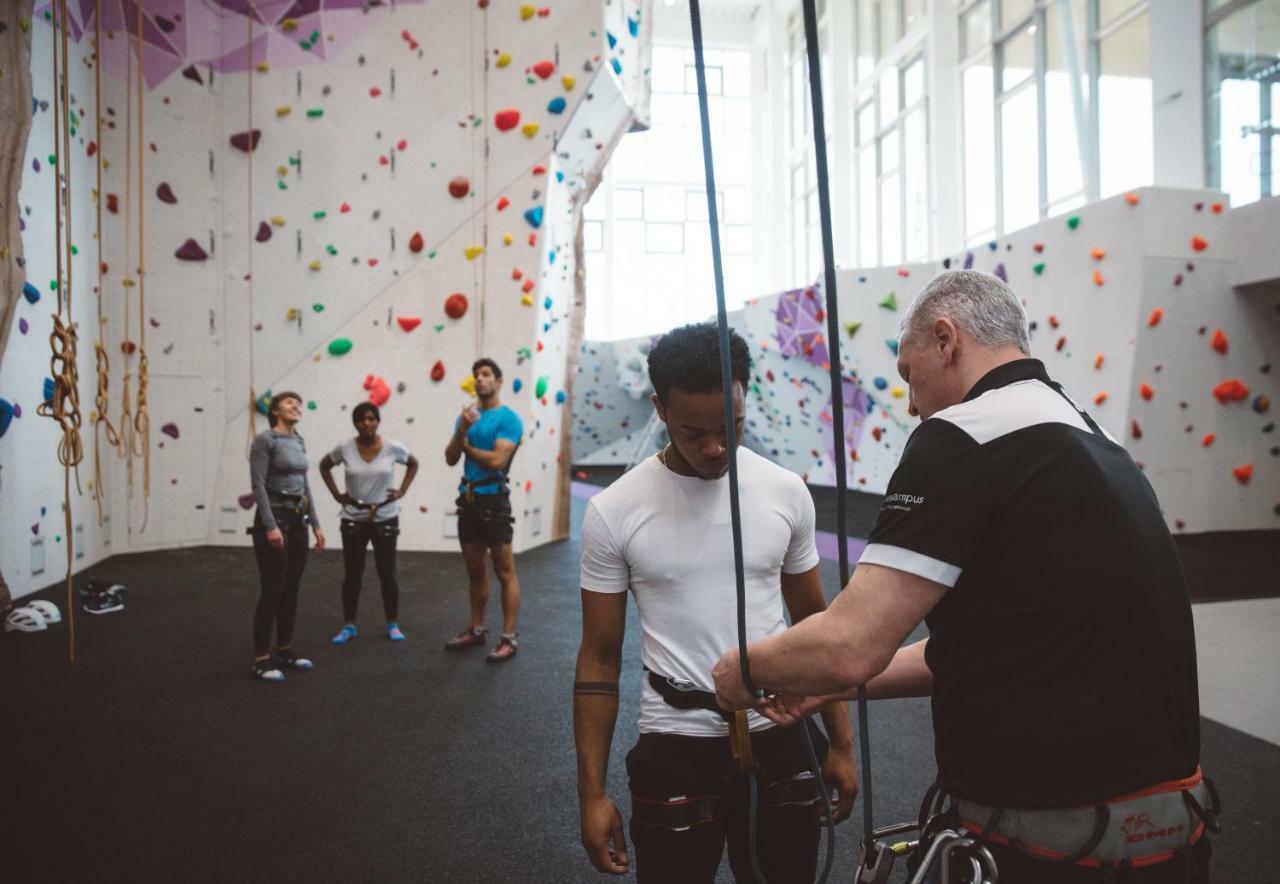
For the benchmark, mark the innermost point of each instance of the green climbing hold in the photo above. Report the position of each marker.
(851, 328)
(263, 402)
(318, 215)
(540, 389)
(319, 308)
(75, 250)
(1073, 221)
(431, 254)
(280, 185)
(314, 112)
(889, 301)
(1038, 267)
(311, 405)
(440, 327)
(53, 160)
(331, 250)
(340, 346)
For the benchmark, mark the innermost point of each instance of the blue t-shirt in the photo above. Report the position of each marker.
(494, 424)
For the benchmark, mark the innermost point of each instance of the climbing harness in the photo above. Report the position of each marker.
(740, 736)
(467, 499)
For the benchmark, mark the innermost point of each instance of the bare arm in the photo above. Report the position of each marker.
(453, 451)
(411, 470)
(326, 473)
(907, 675)
(845, 646)
(595, 712)
(497, 459)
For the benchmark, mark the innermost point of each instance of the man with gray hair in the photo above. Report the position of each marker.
(1061, 652)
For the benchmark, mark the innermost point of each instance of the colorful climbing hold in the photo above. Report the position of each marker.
(544, 69)
(191, 251)
(1145, 391)
(557, 105)
(506, 120)
(1231, 390)
(472, 252)
(455, 306)
(1219, 342)
(1208, 439)
(561, 397)
(437, 371)
(1073, 221)
(1243, 473)
(408, 323)
(1261, 404)
(540, 388)
(1097, 254)
(1038, 267)
(416, 243)
(264, 232)
(468, 385)
(851, 327)
(379, 391)
(1154, 319)
(30, 292)
(459, 187)
(529, 129)
(1098, 279)
(1199, 243)
(568, 82)
(1100, 398)
(892, 344)
(889, 301)
(527, 12)
(1131, 198)
(340, 346)
(165, 194)
(534, 216)
(503, 59)
(170, 430)
(6, 416)
(246, 141)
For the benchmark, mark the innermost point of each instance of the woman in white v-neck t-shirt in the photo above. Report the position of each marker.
(370, 513)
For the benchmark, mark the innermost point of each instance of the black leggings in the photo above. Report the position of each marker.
(280, 573)
(355, 539)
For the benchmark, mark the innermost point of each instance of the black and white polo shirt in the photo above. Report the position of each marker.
(1063, 651)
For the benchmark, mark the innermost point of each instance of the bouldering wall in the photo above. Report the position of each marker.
(1131, 307)
(353, 201)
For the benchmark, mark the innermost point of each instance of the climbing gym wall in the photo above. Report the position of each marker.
(1132, 306)
(349, 200)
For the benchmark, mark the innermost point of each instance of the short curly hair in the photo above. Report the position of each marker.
(688, 358)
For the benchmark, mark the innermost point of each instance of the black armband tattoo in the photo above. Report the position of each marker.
(603, 688)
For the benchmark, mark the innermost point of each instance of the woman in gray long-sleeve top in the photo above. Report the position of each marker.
(278, 470)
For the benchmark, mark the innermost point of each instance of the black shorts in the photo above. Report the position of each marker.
(486, 519)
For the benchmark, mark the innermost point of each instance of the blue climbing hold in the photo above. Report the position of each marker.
(613, 41)
(546, 302)
(992, 245)
(616, 65)
(263, 403)
(30, 292)
(48, 389)
(560, 177)
(892, 344)
(516, 385)
(881, 383)
(557, 105)
(6, 416)
(534, 217)
(633, 25)
(561, 397)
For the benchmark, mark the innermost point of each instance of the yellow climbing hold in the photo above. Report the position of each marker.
(568, 82)
(527, 301)
(293, 314)
(284, 110)
(503, 60)
(472, 251)
(468, 385)
(506, 239)
(277, 220)
(128, 283)
(527, 12)
(263, 66)
(314, 265)
(897, 392)
(282, 171)
(289, 24)
(529, 129)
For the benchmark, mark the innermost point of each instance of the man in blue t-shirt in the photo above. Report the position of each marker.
(487, 433)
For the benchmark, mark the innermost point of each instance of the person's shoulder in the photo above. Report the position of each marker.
(396, 445)
(510, 414)
(628, 488)
(265, 439)
(761, 469)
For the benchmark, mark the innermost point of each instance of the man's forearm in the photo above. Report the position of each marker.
(835, 719)
(805, 660)
(594, 717)
(453, 451)
(907, 675)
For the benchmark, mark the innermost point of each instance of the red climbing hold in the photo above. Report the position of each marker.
(409, 323)
(1199, 243)
(507, 119)
(165, 194)
(1243, 474)
(877, 432)
(437, 371)
(113, 204)
(528, 286)
(544, 69)
(1220, 341)
(459, 187)
(1231, 390)
(1217, 208)
(1100, 398)
(1062, 342)
(416, 243)
(374, 91)
(1154, 319)
(1039, 247)
(344, 208)
(379, 391)
(264, 232)
(517, 273)
(246, 141)
(1208, 439)
(128, 347)
(1146, 391)
(1053, 321)
(539, 170)
(455, 306)
(1135, 430)
(503, 202)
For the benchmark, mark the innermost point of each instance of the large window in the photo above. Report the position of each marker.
(645, 232)
(890, 169)
(1057, 107)
(1242, 73)
(804, 255)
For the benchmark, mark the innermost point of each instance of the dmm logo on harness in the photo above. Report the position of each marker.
(1138, 827)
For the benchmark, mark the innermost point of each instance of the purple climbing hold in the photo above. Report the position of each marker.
(165, 194)
(1000, 272)
(192, 73)
(191, 251)
(246, 141)
(22, 326)
(264, 232)
(246, 501)
(170, 430)
(968, 260)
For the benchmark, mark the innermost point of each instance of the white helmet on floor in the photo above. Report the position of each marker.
(24, 620)
(48, 610)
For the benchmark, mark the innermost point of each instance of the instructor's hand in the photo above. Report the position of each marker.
(602, 836)
(841, 779)
(731, 693)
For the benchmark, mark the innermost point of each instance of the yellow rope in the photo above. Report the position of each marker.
(102, 402)
(142, 417)
(253, 399)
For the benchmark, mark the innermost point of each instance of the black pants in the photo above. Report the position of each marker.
(280, 575)
(356, 537)
(663, 766)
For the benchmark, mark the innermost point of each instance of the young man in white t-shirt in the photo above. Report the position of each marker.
(662, 531)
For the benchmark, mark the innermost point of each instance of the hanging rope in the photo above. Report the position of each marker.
(730, 421)
(126, 346)
(142, 416)
(101, 402)
(837, 370)
(64, 406)
(250, 240)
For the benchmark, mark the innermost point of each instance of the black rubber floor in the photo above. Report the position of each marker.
(157, 756)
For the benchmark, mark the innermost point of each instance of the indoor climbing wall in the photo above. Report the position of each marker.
(348, 201)
(1132, 309)
(611, 399)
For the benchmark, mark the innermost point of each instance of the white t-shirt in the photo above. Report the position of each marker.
(370, 481)
(668, 538)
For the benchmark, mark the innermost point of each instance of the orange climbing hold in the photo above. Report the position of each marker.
(455, 306)
(1243, 474)
(1220, 341)
(1145, 391)
(1131, 198)
(416, 243)
(1208, 439)
(1154, 319)
(1199, 243)
(1231, 390)
(1098, 360)
(1053, 321)
(1097, 277)
(1100, 398)
(379, 391)
(1098, 254)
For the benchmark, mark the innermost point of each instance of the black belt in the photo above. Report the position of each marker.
(686, 698)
